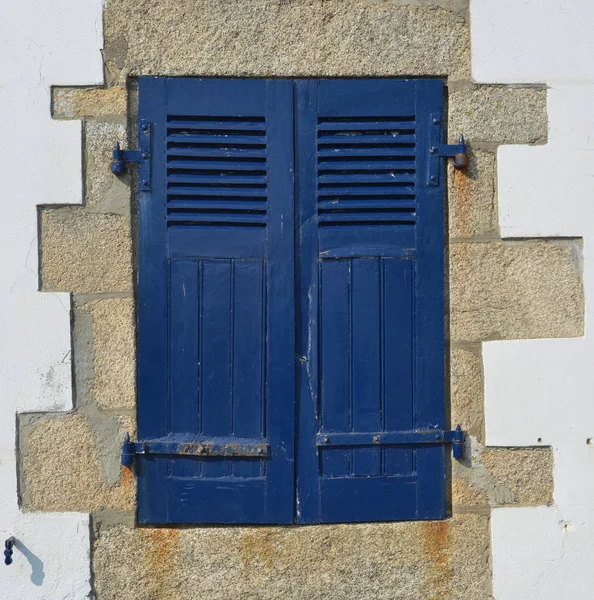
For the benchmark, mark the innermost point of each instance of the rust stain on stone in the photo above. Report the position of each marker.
(162, 555)
(261, 547)
(126, 477)
(461, 190)
(437, 546)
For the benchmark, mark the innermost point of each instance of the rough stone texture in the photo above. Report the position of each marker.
(85, 252)
(280, 38)
(506, 115)
(76, 103)
(471, 197)
(528, 289)
(61, 468)
(466, 496)
(493, 477)
(527, 472)
(103, 190)
(431, 560)
(113, 361)
(466, 389)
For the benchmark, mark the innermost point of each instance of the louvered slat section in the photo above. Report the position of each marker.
(216, 170)
(366, 171)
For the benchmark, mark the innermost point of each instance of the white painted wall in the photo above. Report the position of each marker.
(534, 389)
(545, 388)
(41, 44)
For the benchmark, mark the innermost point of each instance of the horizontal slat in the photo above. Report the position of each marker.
(363, 251)
(365, 217)
(200, 138)
(241, 192)
(392, 190)
(222, 179)
(364, 199)
(201, 164)
(369, 164)
(247, 205)
(349, 140)
(213, 124)
(360, 152)
(196, 151)
(346, 178)
(222, 218)
(370, 125)
(367, 204)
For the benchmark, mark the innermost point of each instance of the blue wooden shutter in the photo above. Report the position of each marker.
(371, 318)
(216, 300)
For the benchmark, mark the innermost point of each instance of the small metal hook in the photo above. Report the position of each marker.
(8, 545)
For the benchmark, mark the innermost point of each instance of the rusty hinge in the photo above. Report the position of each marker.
(203, 448)
(437, 151)
(142, 156)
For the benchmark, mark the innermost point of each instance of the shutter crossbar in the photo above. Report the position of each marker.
(204, 448)
(395, 438)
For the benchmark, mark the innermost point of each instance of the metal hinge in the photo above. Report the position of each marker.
(437, 151)
(396, 438)
(204, 448)
(142, 156)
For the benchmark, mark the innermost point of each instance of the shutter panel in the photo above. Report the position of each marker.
(371, 302)
(216, 301)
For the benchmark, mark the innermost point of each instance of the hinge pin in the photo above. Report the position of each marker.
(461, 158)
(127, 451)
(458, 443)
(118, 164)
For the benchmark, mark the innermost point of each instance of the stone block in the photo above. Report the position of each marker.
(61, 466)
(472, 200)
(85, 252)
(527, 472)
(516, 290)
(112, 363)
(103, 190)
(492, 477)
(78, 103)
(466, 389)
(433, 560)
(506, 115)
(280, 38)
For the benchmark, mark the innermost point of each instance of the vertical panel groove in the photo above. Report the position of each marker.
(351, 398)
(200, 340)
(200, 354)
(264, 395)
(382, 354)
(231, 343)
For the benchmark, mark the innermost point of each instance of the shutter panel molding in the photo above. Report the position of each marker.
(216, 300)
(291, 297)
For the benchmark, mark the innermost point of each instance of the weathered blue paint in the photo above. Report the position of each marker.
(236, 298)
(371, 310)
(216, 299)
